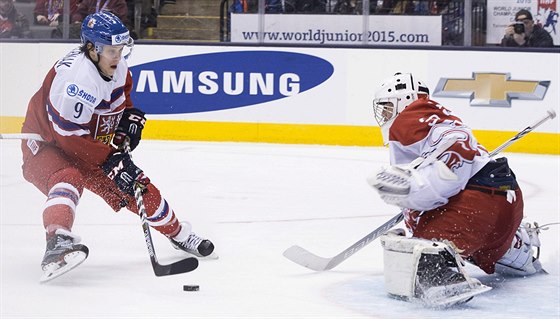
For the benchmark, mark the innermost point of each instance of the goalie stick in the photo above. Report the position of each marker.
(305, 258)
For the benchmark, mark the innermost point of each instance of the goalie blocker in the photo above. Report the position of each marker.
(430, 272)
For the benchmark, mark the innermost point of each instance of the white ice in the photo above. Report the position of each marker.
(253, 201)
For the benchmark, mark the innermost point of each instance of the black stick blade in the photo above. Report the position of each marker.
(179, 267)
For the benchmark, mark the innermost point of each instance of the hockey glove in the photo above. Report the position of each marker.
(403, 186)
(392, 183)
(131, 125)
(120, 168)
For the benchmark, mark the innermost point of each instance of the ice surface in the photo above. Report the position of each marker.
(253, 201)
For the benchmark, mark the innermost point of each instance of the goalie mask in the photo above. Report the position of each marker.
(394, 95)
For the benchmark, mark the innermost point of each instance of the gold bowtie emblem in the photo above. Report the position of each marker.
(491, 89)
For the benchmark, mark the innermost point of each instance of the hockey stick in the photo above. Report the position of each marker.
(307, 259)
(178, 267)
(21, 136)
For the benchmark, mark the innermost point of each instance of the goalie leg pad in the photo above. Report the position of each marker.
(428, 271)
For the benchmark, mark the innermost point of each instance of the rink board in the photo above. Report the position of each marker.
(307, 95)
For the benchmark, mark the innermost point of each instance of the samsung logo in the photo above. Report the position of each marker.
(218, 81)
(210, 82)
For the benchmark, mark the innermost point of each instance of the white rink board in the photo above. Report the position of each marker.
(342, 99)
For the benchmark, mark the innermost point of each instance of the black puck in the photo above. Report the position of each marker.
(191, 287)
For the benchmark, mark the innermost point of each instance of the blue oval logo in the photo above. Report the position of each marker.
(72, 90)
(225, 80)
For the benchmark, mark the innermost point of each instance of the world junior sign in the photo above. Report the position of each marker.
(225, 80)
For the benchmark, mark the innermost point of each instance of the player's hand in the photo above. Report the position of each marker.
(392, 183)
(121, 170)
(41, 19)
(509, 30)
(131, 126)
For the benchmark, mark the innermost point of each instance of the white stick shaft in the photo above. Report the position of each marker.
(21, 136)
(307, 259)
(550, 115)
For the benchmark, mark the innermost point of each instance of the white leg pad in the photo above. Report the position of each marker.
(400, 259)
(435, 284)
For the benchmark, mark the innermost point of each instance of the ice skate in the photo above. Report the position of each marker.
(63, 254)
(189, 242)
(522, 259)
(440, 285)
(428, 272)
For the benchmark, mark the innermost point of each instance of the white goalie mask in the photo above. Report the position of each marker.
(394, 95)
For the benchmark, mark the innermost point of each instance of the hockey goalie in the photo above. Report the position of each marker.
(463, 206)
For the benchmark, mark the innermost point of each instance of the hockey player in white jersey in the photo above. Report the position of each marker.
(463, 206)
(84, 114)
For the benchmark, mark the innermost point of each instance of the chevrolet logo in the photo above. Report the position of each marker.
(491, 89)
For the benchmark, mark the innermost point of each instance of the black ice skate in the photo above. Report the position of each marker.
(63, 254)
(189, 242)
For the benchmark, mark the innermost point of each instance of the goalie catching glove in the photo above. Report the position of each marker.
(121, 170)
(406, 187)
(130, 127)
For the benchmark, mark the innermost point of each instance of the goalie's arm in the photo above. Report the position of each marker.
(424, 188)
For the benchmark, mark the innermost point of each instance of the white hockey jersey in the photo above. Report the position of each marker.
(77, 110)
(417, 132)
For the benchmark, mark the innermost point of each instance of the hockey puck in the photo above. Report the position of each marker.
(191, 287)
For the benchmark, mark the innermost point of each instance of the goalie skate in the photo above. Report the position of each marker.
(63, 254)
(442, 282)
(426, 272)
(450, 295)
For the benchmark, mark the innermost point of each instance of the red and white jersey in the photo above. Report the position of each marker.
(77, 110)
(417, 132)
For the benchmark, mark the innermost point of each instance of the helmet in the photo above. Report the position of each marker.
(105, 29)
(394, 95)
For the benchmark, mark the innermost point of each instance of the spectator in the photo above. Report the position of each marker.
(87, 7)
(12, 23)
(525, 33)
(403, 7)
(148, 17)
(49, 12)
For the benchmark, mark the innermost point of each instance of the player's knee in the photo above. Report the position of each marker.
(68, 176)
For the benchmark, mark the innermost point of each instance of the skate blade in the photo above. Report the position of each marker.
(212, 256)
(71, 261)
(440, 301)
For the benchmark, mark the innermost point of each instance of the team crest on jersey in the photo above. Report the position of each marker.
(72, 90)
(106, 126)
